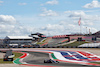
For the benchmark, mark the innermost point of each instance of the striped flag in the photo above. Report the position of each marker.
(79, 22)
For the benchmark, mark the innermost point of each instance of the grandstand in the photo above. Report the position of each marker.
(1, 43)
(60, 40)
(23, 41)
(17, 40)
(97, 34)
(90, 45)
(38, 36)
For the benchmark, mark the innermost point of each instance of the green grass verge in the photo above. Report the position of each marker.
(16, 56)
(5, 62)
(96, 62)
(44, 40)
(75, 44)
(40, 43)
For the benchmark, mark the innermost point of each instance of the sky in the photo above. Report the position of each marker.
(50, 17)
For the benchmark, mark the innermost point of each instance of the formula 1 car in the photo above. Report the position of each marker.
(8, 56)
(50, 61)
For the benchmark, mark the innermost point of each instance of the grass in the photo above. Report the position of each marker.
(40, 43)
(75, 44)
(44, 40)
(96, 62)
(5, 62)
(16, 56)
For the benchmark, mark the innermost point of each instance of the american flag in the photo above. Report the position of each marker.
(79, 22)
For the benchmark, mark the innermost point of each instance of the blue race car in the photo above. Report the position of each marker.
(50, 61)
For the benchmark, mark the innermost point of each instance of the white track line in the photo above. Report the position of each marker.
(72, 55)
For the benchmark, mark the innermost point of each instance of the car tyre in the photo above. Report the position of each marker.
(44, 61)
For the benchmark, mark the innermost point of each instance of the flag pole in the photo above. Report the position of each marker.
(86, 30)
(80, 30)
(79, 22)
(80, 34)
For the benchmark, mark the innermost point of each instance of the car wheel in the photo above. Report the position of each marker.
(44, 61)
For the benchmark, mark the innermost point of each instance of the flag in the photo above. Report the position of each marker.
(79, 22)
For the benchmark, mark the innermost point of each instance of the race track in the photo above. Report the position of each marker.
(38, 58)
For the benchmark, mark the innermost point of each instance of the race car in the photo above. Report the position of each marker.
(50, 61)
(8, 56)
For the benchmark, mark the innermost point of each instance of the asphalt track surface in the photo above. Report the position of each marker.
(38, 59)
